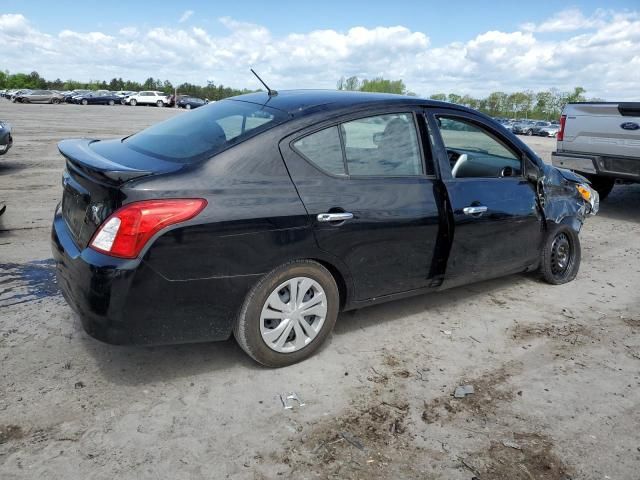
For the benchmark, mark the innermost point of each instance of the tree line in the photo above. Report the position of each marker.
(543, 105)
(34, 81)
(546, 104)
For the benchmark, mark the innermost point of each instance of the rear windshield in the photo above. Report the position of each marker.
(199, 134)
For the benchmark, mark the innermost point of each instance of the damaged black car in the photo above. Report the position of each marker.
(263, 216)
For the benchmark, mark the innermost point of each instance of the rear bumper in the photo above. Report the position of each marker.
(616, 167)
(127, 302)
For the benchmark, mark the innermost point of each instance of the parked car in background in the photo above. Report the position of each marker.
(527, 127)
(6, 140)
(124, 93)
(601, 141)
(549, 130)
(149, 97)
(18, 93)
(190, 102)
(68, 97)
(263, 216)
(40, 96)
(101, 97)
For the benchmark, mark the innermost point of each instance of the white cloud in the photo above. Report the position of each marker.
(600, 52)
(568, 20)
(185, 16)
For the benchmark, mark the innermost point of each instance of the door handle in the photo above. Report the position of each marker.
(334, 217)
(477, 210)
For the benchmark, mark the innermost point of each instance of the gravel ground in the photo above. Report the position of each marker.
(555, 369)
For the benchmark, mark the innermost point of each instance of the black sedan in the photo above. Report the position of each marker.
(191, 102)
(263, 216)
(6, 140)
(98, 98)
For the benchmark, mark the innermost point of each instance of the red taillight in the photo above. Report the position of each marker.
(125, 233)
(560, 134)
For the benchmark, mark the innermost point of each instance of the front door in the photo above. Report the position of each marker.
(371, 197)
(498, 225)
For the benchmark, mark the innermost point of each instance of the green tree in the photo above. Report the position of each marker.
(442, 97)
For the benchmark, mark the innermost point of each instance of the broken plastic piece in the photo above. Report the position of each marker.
(510, 444)
(287, 398)
(463, 390)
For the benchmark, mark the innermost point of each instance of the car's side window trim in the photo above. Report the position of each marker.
(292, 146)
(336, 122)
(432, 116)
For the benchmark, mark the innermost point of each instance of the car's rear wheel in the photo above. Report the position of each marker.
(529, 133)
(133, 103)
(160, 103)
(288, 314)
(187, 106)
(561, 255)
(85, 102)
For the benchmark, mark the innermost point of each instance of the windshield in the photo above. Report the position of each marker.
(201, 133)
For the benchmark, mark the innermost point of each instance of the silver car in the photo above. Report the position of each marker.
(40, 96)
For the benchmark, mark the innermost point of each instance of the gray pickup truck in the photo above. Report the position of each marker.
(601, 141)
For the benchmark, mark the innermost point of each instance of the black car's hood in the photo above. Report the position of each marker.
(571, 176)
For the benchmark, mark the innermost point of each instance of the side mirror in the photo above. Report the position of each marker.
(506, 172)
(532, 170)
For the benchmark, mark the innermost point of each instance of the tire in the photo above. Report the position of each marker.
(561, 254)
(187, 106)
(84, 101)
(55, 101)
(602, 185)
(112, 103)
(251, 323)
(133, 102)
(529, 133)
(160, 103)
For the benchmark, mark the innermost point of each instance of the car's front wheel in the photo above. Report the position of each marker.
(529, 133)
(188, 106)
(133, 103)
(85, 102)
(112, 102)
(288, 314)
(160, 103)
(561, 255)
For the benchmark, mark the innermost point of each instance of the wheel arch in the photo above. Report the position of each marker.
(344, 290)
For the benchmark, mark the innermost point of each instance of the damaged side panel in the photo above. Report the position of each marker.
(561, 200)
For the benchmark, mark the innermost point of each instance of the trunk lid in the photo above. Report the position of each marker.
(92, 181)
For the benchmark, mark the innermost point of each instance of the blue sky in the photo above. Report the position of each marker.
(467, 47)
(444, 21)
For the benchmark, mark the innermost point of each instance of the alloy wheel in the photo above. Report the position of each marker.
(293, 315)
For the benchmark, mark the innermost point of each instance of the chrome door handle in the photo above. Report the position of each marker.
(334, 217)
(479, 210)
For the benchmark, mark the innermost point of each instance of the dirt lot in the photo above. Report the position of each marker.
(556, 370)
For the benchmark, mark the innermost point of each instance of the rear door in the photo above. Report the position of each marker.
(497, 222)
(370, 191)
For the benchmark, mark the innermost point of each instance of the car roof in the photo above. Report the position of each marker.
(301, 102)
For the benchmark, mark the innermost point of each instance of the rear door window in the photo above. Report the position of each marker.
(323, 149)
(382, 145)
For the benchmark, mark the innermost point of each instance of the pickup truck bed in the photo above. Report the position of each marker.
(600, 141)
